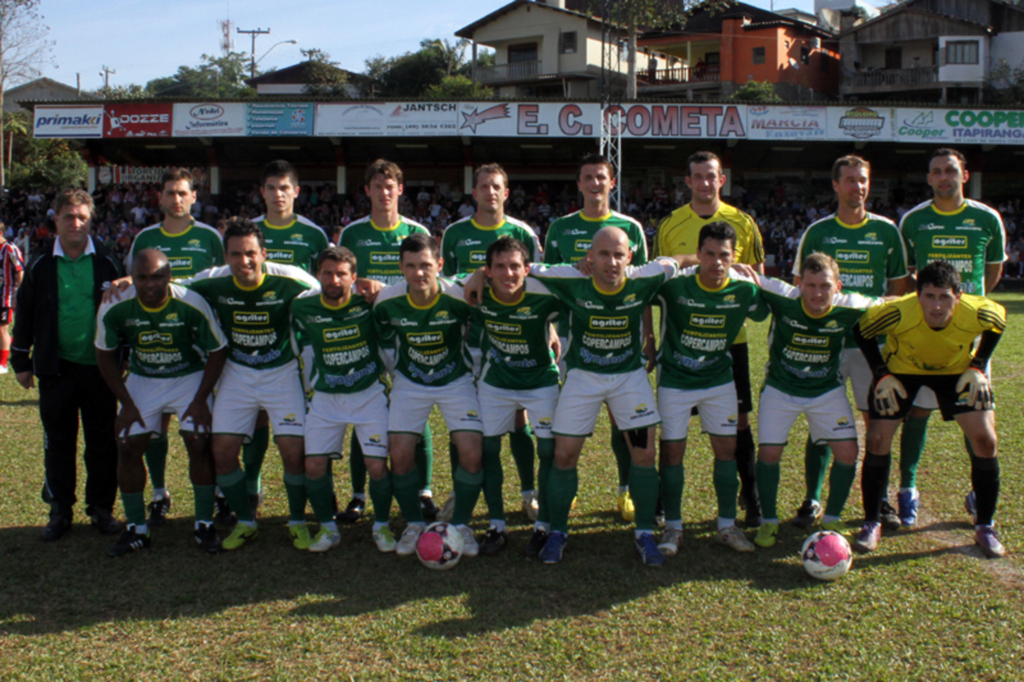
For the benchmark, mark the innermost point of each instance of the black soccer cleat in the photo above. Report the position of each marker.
(430, 509)
(58, 527)
(224, 516)
(536, 543)
(494, 541)
(158, 511)
(353, 512)
(206, 538)
(129, 542)
(890, 518)
(104, 522)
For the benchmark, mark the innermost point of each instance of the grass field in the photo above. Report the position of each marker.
(925, 606)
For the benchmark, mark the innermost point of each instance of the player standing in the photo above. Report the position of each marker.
(872, 261)
(12, 269)
(679, 234)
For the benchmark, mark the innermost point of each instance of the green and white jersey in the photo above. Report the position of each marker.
(166, 342)
(969, 238)
(699, 326)
(190, 252)
(344, 342)
(376, 248)
(464, 244)
(605, 328)
(429, 340)
(569, 237)
(516, 344)
(804, 351)
(297, 243)
(255, 319)
(868, 253)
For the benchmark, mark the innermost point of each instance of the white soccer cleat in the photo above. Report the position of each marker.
(407, 545)
(447, 510)
(470, 547)
(670, 541)
(531, 507)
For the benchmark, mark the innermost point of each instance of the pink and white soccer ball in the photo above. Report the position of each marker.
(826, 555)
(440, 546)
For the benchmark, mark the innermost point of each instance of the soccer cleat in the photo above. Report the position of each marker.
(494, 541)
(659, 513)
(430, 510)
(57, 527)
(206, 537)
(470, 547)
(767, 535)
(407, 545)
(751, 503)
(531, 507)
(4, 369)
(536, 543)
(809, 513)
(239, 536)
(670, 541)
(353, 512)
(989, 543)
(224, 515)
(648, 550)
(255, 500)
(300, 536)
(385, 539)
(445, 512)
(733, 538)
(158, 511)
(554, 547)
(890, 519)
(130, 541)
(324, 540)
(971, 505)
(625, 506)
(104, 522)
(867, 538)
(836, 526)
(909, 502)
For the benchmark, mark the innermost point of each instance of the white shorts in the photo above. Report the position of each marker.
(717, 406)
(244, 391)
(156, 397)
(477, 356)
(306, 365)
(411, 404)
(331, 413)
(388, 355)
(562, 369)
(854, 366)
(629, 397)
(498, 409)
(829, 416)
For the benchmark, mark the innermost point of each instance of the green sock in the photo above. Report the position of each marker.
(295, 488)
(768, 488)
(466, 487)
(546, 458)
(252, 457)
(643, 488)
(912, 442)
(727, 486)
(318, 490)
(356, 466)
(407, 493)
(425, 459)
(672, 480)
(839, 483)
(156, 460)
(381, 495)
(203, 502)
(235, 492)
(562, 487)
(134, 508)
(816, 456)
(494, 478)
(622, 459)
(521, 442)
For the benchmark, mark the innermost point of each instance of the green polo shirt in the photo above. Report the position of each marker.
(76, 310)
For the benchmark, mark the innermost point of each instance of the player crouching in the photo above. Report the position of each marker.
(929, 345)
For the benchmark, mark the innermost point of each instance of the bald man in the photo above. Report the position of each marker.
(177, 353)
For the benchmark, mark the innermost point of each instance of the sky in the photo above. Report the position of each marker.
(145, 39)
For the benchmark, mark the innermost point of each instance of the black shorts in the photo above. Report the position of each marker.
(944, 386)
(741, 377)
(5, 316)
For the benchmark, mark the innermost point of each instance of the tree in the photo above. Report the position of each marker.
(17, 123)
(47, 163)
(452, 54)
(1006, 83)
(755, 92)
(458, 87)
(323, 77)
(131, 91)
(23, 48)
(414, 73)
(215, 78)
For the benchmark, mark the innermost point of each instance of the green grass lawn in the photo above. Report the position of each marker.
(925, 606)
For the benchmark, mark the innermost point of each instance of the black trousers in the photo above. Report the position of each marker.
(78, 389)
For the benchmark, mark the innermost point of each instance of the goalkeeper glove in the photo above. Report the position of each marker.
(979, 387)
(886, 389)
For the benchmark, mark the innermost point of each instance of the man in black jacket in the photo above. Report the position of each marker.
(56, 313)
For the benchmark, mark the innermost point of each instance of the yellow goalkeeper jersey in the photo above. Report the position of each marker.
(678, 233)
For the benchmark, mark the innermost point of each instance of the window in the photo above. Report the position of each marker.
(894, 58)
(825, 62)
(805, 55)
(713, 58)
(569, 42)
(759, 55)
(522, 53)
(962, 52)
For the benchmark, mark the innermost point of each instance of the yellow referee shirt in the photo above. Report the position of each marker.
(679, 232)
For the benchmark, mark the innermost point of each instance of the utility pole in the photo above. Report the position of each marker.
(253, 32)
(611, 91)
(106, 76)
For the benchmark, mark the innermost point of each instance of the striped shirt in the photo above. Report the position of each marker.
(11, 263)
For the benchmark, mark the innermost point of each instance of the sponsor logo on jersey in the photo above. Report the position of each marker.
(871, 236)
(368, 242)
(296, 236)
(340, 333)
(470, 242)
(289, 418)
(804, 340)
(707, 320)
(375, 438)
(154, 337)
(846, 256)
(545, 421)
(425, 338)
(583, 244)
(180, 263)
(269, 295)
(944, 242)
(501, 328)
(969, 221)
(525, 310)
(383, 258)
(843, 421)
(832, 324)
(629, 299)
(281, 255)
(732, 419)
(171, 317)
(251, 318)
(642, 407)
(194, 242)
(731, 298)
(478, 257)
(609, 322)
(472, 414)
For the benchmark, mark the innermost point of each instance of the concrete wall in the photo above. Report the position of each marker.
(962, 73)
(1008, 47)
(873, 56)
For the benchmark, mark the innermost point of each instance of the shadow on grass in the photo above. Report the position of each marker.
(19, 403)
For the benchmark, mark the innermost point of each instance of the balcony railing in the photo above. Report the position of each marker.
(892, 78)
(507, 72)
(679, 75)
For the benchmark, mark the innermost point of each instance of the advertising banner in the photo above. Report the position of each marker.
(116, 175)
(265, 119)
(774, 122)
(137, 120)
(68, 121)
(979, 126)
(209, 119)
(860, 124)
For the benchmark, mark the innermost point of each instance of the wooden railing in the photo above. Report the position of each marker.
(679, 75)
(892, 78)
(506, 72)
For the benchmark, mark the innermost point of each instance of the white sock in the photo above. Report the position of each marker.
(912, 491)
(359, 496)
(424, 493)
(724, 523)
(775, 521)
(203, 524)
(159, 493)
(674, 525)
(292, 523)
(639, 532)
(251, 524)
(827, 518)
(498, 525)
(377, 525)
(623, 489)
(541, 525)
(528, 495)
(141, 529)
(331, 526)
